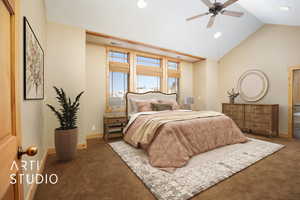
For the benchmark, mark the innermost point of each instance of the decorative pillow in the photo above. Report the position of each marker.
(174, 103)
(161, 106)
(133, 105)
(144, 105)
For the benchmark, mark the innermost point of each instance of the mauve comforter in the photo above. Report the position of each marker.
(175, 142)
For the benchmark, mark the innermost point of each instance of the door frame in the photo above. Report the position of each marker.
(13, 7)
(291, 100)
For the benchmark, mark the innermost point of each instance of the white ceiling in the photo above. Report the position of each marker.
(162, 23)
(268, 11)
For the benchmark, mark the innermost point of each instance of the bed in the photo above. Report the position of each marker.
(172, 137)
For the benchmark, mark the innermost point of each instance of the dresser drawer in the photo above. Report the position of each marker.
(260, 118)
(114, 120)
(234, 111)
(258, 109)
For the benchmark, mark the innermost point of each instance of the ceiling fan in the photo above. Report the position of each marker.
(215, 9)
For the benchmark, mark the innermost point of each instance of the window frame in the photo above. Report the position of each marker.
(118, 51)
(148, 70)
(113, 66)
(178, 85)
(109, 93)
(171, 73)
(133, 70)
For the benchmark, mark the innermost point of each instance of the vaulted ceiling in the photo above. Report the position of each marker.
(269, 12)
(162, 23)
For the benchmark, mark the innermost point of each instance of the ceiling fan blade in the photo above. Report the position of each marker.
(211, 21)
(197, 16)
(208, 3)
(228, 3)
(232, 13)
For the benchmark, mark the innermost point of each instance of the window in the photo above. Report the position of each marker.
(140, 72)
(149, 73)
(116, 56)
(118, 84)
(173, 76)
(118, 79)
(173, 85)
(147, 61)
(172, 65)
(148, 83)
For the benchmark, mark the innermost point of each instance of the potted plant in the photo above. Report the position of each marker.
(66, 135)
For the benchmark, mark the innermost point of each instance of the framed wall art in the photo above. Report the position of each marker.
(33, 65)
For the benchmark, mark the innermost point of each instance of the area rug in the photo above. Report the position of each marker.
(202, 171)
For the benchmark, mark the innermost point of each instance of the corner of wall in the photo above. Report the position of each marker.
(206, 85)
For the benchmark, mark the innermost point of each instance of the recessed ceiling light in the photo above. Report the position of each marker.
(284, 8)
(217, 35)
(141, 3)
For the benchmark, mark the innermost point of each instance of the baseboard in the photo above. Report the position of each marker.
(34, 186)
(94, 136)
(79, 147)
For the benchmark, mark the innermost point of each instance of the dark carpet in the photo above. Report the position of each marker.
(98, 173)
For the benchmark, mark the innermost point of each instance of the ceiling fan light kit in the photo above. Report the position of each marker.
(284, 8)
(215, 9)
(142, 4)
(217, 35)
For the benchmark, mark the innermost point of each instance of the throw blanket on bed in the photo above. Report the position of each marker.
(146, 131)
(171, 138)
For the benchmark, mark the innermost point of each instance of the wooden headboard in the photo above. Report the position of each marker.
(146, 96)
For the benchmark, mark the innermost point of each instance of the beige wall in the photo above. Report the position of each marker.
(206, 83)
(65, 69)
(212, 85)
(186, 81)
(95, 88)
(32, 122)
(199, 81)
(272, 49)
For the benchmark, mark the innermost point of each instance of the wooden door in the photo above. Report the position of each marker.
(9, 115)
(296, 103)
(293, 97)
(296, 88)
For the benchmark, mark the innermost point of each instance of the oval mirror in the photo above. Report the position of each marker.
(253, 85)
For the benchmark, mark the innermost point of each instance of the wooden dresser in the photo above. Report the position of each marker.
(260, 119)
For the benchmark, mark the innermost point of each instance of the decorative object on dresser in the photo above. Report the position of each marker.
(248, 80)
(232, 95)
(113, 123)
(260, 119)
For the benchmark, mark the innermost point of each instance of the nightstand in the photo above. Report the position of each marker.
(113, 123)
